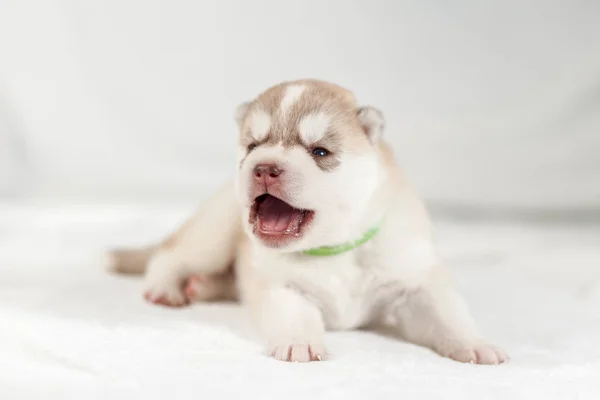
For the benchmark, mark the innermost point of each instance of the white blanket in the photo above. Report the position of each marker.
(70, 330)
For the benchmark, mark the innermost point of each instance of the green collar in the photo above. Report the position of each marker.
(342, 248)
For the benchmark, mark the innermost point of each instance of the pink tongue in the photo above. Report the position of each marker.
(276, 215)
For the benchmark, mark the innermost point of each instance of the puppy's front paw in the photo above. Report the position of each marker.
(299, 352)
(164, 281)
(168, 294)
(479, 354)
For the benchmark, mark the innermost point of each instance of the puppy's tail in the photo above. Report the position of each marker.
(129, 261)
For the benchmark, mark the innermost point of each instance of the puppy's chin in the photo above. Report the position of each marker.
(277, 224)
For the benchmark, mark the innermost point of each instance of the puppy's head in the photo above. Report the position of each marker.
(308, 164)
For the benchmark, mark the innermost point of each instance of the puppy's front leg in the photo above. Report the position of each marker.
(436, 316)
(292, 325)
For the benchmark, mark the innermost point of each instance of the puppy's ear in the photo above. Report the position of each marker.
(372, 122)
(240, 113)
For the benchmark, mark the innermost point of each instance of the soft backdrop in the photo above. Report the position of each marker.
(492, 105)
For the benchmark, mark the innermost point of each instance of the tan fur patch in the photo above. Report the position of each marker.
(311, 97)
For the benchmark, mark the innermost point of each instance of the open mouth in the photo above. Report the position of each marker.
(276, 222)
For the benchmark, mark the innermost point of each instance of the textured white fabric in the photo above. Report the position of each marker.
(69, 330)
(493, 104)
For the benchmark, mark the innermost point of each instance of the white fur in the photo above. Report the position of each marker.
(290, 97)
(287, 319)
(259, 123)
(313, 127)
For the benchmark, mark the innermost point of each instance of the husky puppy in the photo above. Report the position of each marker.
(317, 231)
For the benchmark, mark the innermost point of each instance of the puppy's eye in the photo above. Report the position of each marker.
(252, 146)
(320, 152)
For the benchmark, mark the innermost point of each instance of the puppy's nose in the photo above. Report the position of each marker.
(267, 173)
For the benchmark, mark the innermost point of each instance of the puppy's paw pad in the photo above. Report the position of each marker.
(172, 297)
(484, 354)
(299, 352)
(197, 285)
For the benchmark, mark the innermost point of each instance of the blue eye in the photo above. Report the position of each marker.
(320, 152)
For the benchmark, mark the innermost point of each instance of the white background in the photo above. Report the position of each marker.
(109, 106)
(488, 103)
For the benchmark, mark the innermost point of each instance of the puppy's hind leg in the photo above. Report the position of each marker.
(203, 248)
(436, 316)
